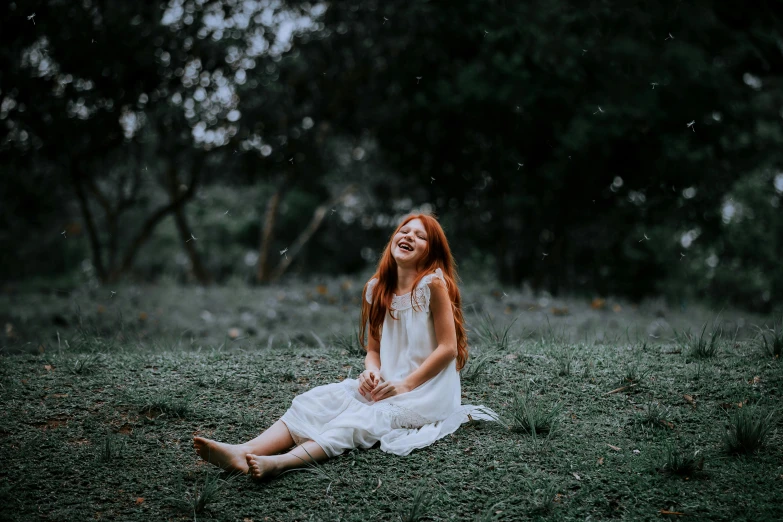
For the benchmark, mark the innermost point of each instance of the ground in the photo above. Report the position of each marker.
(99, 407)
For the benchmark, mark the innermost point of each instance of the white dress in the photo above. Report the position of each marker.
(339, 418)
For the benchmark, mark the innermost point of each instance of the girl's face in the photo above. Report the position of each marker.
(409, 243)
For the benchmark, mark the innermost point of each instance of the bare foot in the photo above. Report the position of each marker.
(226, 456)
(262, 467)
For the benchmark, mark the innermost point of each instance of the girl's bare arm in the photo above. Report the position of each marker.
(445, 333)
(372, 361)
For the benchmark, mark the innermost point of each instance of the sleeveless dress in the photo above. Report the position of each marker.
(338, 418)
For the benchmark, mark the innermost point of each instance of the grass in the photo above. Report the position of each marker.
(475, 370)
(493, 336)
(773, 348)
(675, 461)
(701, 348)
(120, 428)
(529, 415)
(748, 430)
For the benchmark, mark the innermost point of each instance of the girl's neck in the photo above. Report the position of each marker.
(405, 278)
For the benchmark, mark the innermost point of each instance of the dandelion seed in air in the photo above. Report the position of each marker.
(505, 294)
(32, 17)
(283, 252)
(599, 110)
(681, 256)
(544, 256)
(291, 160)
(93, 40)
(192, 237)
(584, 51)
(654, 336)
(670, 37)
(112, 294)
(486, 33)
(63, 234)
(644, 238)
(653, 84)
(385, 20)
(431, 180)
(333, 211)
(520, 165)
(691, 125)
(225, 213)
(418, 78)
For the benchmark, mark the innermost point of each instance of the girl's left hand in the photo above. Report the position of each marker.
(389, 389)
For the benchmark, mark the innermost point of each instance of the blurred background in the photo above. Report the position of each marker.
(632, 149)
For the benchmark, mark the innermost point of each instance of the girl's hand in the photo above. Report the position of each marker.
(368, 380)
(390, 389)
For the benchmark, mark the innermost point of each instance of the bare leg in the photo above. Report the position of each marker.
(267, 467)
(273, 440)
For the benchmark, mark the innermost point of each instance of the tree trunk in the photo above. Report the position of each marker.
(199, 271)
(308, 232)
(89, 223)
(268, 232)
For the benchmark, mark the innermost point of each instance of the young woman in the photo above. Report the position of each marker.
(409, 395)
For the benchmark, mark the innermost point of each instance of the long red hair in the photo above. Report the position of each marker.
(436, 255)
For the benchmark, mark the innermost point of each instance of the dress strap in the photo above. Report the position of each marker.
(423, 292)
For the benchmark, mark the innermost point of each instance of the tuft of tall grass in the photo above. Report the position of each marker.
(110, 449)
(775, 347)
(565, 359)
(527, 414)
(748, 430)
(475, 369)
(349, 342)
(653, 415)
(492, 335)
(166, 403)
(204, 495)
(84, 364)
(702, 348)
(418, 507)
(676, 462)
(633, 372)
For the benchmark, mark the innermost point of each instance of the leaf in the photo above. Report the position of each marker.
(614, 447)
(139, 500)
(48, 367)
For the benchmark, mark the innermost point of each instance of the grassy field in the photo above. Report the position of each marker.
(609, 410)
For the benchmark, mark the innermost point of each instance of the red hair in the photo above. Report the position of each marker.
(436, 255)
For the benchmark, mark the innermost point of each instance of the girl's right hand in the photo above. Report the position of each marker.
(368, 380)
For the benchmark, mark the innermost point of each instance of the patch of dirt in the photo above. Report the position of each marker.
(53, 423)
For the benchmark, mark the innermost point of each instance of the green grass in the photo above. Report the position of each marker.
(100, 428)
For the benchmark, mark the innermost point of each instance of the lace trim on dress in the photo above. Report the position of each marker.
(421, 297)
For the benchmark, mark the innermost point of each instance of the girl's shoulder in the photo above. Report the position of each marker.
(436, 275)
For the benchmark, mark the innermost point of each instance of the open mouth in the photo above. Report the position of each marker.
(406, 247)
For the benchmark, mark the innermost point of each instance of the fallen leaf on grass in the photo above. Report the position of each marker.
(621, 388)
(614, 447)
(48, 367)
(379, 485)
(576, 475)
(559, 311)
(139, 500)
(601, 461)
(667, 512)
(755, 380)
(690, 399)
